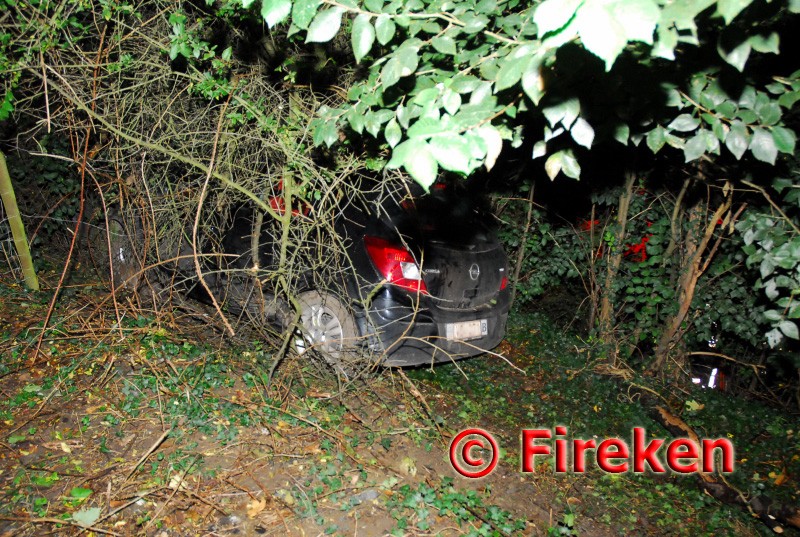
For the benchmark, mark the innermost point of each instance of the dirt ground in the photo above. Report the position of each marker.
(90, 445)
(170, 432)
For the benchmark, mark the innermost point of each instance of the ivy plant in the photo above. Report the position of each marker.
(772, 244)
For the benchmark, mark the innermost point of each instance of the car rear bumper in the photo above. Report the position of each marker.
(406, 335)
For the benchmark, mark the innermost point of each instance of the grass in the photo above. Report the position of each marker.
(559, 387)
(161, 431)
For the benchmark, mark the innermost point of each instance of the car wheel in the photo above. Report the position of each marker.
(254, 305)
(326, 326)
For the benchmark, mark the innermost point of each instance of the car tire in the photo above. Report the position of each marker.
(255, 306)
(326, 326)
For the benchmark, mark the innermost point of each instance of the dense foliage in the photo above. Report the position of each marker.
(448, 81)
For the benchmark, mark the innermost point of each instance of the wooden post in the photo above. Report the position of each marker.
(16, 225)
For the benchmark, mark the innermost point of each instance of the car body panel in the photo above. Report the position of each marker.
(464, 269)
(463, 308)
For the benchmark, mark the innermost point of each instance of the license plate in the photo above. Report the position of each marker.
(467, 330)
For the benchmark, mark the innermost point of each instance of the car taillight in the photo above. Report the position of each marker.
(396, 264)
(503, 283)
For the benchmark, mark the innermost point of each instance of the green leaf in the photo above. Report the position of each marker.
(553, 165)
(549, 133)
(275, 11)
(785, 139)
(656, 139)
(747, 99)
(363, 36)
(390, 74)
(80, 493)
(570, 166)
(582, 133)
(472, 115)
(494, 143)
(763, 146)
(569, 520)
(7, 105)
(600, 32)
(552, 15)
(325, 25)
(774, 337)
(695, 147)
(444, 44)
(621, 133)
(477, 147)
(767, 265)
(408, 59)
(565, 112)
(403, 63)
(737, 139)
(451, 152)
(747, 116)
(639, 18)
(421, 165)
(392, 133)
(674, 141)
(684, 123)
(694, 406)
(486, 6)
(326, 132)
(789, 329)
(464, 83)
(451, 101)
(788, 99)
(403, 152)
(736, 57)
(766, 44)
(666, 43)
(86, 517)
(426, 127)
(532, 82)
(510, 72)
(384, 28)
(356, 120)
(303, 12)
(770, 113)
(539, 149)
(374, 120)
(730, 8)
(474, 23)
(426, 97)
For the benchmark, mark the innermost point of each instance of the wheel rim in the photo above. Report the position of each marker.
(322, 330)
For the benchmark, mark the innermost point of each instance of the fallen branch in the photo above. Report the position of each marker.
(148, 453)
(59, 521)
(772, 514)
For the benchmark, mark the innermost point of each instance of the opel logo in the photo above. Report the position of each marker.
(474, 271)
